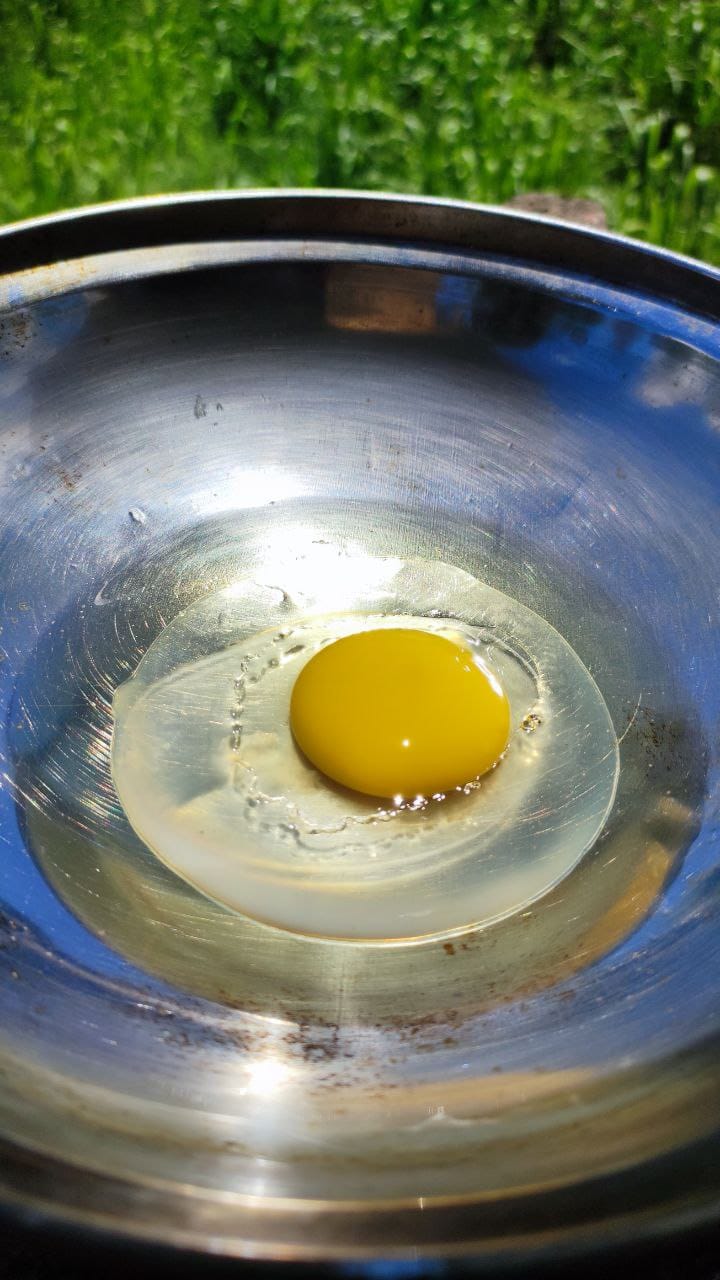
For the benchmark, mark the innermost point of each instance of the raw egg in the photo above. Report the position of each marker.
(399, 713)
(314, 744)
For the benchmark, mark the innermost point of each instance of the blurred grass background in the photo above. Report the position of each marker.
(481, 99)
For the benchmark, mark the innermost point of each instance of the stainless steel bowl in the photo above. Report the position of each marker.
(182, 381)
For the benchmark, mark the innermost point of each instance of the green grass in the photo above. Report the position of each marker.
(481, 99)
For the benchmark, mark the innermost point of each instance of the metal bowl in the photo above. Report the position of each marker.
(185, 380)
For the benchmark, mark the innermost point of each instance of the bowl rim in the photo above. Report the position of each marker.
(197, 217)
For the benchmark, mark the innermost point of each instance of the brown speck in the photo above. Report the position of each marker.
(448, 948)
(530, 722)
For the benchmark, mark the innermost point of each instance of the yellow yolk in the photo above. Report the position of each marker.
(399, 712)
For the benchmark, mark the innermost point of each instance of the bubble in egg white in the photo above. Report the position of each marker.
(208, 774)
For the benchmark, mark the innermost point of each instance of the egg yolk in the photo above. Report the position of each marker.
(398, 712)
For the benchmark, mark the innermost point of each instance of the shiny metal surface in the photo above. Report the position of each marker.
(186, 385)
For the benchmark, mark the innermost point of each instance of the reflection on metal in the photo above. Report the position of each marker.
(534, 403)
(353, 300)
